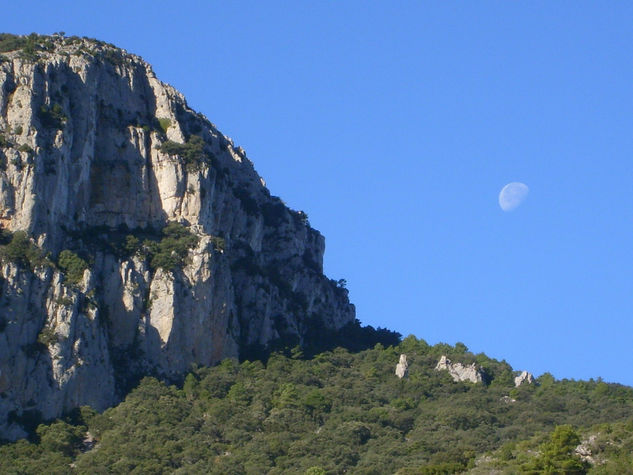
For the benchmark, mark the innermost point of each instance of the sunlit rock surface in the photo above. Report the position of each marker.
(81, 157)
(459, 372)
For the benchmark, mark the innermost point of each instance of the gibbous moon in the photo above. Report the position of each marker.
(512, 195)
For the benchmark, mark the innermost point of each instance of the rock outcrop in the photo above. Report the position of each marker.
(459, 372)
(402, 368)
(523, 378)
(586, 449)
(97, 156)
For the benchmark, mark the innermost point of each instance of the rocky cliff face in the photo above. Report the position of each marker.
(97, 157)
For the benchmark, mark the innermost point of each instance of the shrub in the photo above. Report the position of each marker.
(316, 470)
(47, 337)
(218, 243)
(60, 437)
(64, 301)
(315, 402)
(72, 265)
(164, 123)
(26, 149)
(132, 245)
(9, 42)
(169, 253)
(27, 45)
(191, 153)
(113, 57)
(21, 250)
(52, 116)
(32, 44)
(557, 454)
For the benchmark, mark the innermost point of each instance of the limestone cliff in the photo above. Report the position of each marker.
(97, 156)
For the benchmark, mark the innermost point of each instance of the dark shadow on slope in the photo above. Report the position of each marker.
(318, 338)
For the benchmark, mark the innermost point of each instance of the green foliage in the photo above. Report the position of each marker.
(60, 437)
(192, 153)
(18, 248)
(53, 453)
(339, 412)
(72, 265)
(316, 403)
(166, 248)
(219, 244)
(9, 42)
(47, 337)
(613, 446)
(29, 46)
(132, 244)
(52, 116)
(26, 149)
(557, 454)
(164, 123)
(316, 470)
(112, 56)
(64, 301)
(170, 252)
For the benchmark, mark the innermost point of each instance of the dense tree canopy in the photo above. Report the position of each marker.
(341, 412)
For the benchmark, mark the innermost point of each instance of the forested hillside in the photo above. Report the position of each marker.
(343, 412)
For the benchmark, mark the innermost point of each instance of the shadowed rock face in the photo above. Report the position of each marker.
(83, 160)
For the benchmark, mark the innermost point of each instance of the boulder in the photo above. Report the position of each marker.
(402, 368)
(523, 378)
(460, 372)
(586, 449)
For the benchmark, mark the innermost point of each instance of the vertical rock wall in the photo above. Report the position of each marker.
(82, 159)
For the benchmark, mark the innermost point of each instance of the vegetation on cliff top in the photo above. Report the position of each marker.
(32, 47)
(27, 45)
(342, 412)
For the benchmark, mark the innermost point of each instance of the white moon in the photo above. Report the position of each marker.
(512, 195)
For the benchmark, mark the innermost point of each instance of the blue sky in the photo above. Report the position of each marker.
(394, 125)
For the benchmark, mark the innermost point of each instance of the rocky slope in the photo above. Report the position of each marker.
(97, 157)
